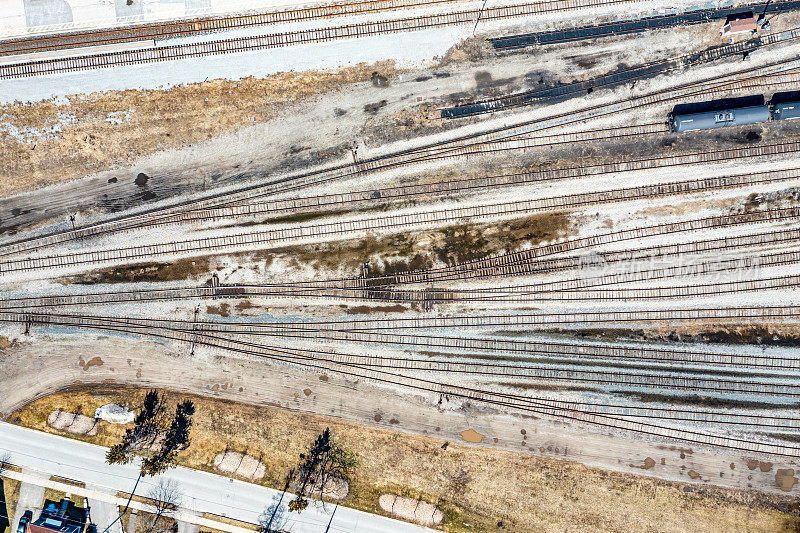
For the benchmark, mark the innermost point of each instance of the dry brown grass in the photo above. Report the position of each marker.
(476, 486)
(161, 119)
(10, 496)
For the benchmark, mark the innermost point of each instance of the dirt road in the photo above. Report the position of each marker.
(128, 361)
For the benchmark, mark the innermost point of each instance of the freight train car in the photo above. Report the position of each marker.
(720, 119)
(786, 111)
(709, 120)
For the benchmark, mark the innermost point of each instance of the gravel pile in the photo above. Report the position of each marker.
(418, 511)
(240, 464)
(72, 423)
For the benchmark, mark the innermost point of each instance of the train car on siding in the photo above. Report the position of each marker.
(720, 119)
(786, 111)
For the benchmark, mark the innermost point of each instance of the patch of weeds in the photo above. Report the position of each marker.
(221, 310)
(178, 270)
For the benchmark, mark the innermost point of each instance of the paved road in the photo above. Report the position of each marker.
(202, 492)
(30, 499)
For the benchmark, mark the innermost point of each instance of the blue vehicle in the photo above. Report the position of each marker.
(27, 516)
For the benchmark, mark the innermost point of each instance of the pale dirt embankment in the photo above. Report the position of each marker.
(105, 130)
(264, 412)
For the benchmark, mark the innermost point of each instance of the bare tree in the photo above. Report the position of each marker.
(5, 461)
(165, 496)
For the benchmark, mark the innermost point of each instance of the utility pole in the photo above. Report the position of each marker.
(194, 325)
(331, 520)
(479, 17)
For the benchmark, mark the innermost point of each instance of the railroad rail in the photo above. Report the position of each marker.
(550, 319)
(356, 227)
(463, 146)
(204, 25)
(336, 363)
(500, 263)
(259, 206)
(345, 201)
(623, 27)
(692, 381)
(616, 78)
(278, 40)
(533, 320)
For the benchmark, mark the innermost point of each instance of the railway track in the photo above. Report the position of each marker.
(689, 381)
(357, 227)
(615, 78)
(367, 198)
(495, 140)
(278, 40)
(545, 320)
(492, 140)
(205, 25)
(336, 363)
(501, 264)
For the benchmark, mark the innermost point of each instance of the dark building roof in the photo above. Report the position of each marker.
(60, 517)
(740, 22)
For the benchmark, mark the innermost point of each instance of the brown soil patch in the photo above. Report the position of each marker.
(221, 310)
(159, 120)
(784, 478)
(94, 361)
(367, 309)
(4, 342)
(470, 435)
(649, 463)
(693, 474)
(178, 270)
(471, 485)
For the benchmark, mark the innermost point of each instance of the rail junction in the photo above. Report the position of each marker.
(561, 253)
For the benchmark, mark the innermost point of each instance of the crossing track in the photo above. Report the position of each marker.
(635, 354)
(577, 289)
(506, 138)
(369, 198)
(519, 318)
(204, 25)
(617, 77)
(264, 42)
(344, 229)
(344, 365)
